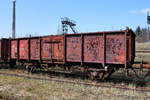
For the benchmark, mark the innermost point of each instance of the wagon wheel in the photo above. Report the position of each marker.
(100, 75)
(33, 68)
(12, 64)
(84, 69)
(68, 68)
(107, 74)
(30, 68)
(43, 67)
(24, 68)
(92, 75)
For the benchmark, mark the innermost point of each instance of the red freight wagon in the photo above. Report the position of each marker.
(97, 52)
(105, 48)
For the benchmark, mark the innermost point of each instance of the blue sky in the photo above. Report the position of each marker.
(42, 17)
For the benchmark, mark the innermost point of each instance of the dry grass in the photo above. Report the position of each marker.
(142, 56)
(142, 46)
(16, 88)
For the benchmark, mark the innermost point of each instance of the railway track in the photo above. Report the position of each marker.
(142, 51)
(98, 84)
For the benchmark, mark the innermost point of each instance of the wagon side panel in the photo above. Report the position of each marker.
(58, 47)
(35, 49)
(23, 49)
(5, 49)
(73, 48)
(93, 48)
(46, 48)
(115, 48)
(14, 49)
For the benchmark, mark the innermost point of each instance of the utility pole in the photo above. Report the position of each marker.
(14, 20)
(148, 23)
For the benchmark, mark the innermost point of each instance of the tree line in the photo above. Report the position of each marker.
(142, 34)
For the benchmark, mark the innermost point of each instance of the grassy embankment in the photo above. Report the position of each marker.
(142, 56)
(17, 88)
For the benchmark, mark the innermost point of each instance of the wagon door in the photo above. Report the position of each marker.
(46, 50)
(57, 50)
(52, 49)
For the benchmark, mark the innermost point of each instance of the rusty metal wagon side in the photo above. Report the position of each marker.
(96, 52)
